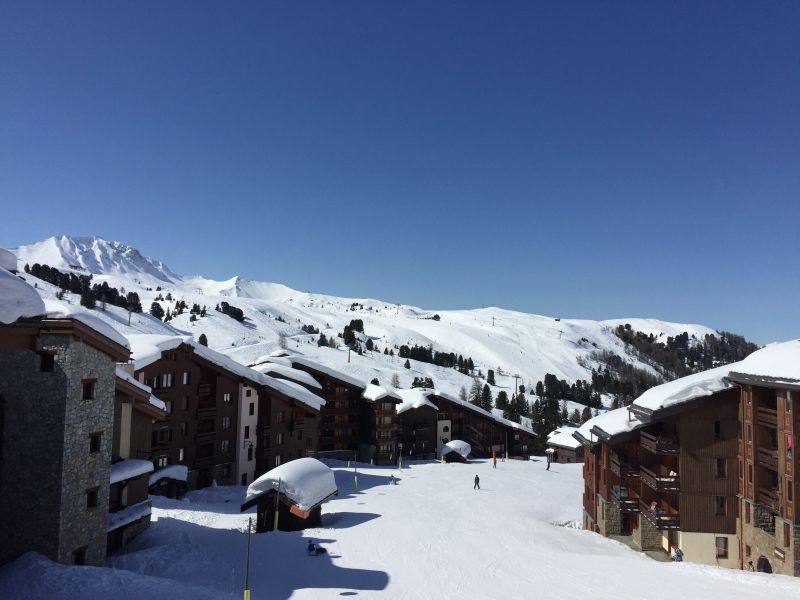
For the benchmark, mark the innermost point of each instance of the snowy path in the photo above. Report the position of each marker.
(430, 536)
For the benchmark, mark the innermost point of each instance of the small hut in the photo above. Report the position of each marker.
(456, 451)
(296, 490)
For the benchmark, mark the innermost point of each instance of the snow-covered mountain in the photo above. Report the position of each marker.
(509, 342)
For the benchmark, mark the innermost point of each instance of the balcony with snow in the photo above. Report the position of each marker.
(290, 496)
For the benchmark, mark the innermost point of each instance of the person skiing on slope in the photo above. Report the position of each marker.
(477, 485)
(494, 462)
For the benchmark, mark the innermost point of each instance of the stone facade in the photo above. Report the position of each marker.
(609, 518)
(47, 471)
(646, 536)
(779, 549)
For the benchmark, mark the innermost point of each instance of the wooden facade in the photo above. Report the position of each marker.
(379, 429)
(418, 432)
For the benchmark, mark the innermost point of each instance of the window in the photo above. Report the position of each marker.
(722, 547)
(279, 439)
(226, 397)
(787, 534)
(788, 445)
(747, 512)
(226, 471)
(277, 459)
(168, 406)
(224, 446)
(718, 430)
(226, 422)
(181, 454)
(161, 461)
(252, 408)
(91, 498)
(748, 551)
(720, 468)
(47, 362)
(789, 492)
(185, 403)
(246, 431)
(89, 388)
(279, 417)
(79, 556)
(248, 392)
(94, 442)
(749, 473)
(749, 433)
(720, 506)
(249, 453)
(185, 378)
(184, 428)
(167, 380)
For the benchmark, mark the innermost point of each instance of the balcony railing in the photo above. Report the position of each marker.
(660, 519)
(623, 470)
(768, 458)
(659, 444)
(767, 417)
(626, 504)
(769, 498)
(659, 483)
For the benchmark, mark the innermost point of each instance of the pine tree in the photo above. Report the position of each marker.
(575, 417)
(475, 393)
(202, 340)
(462, 394)
(486, 398)
(370, 345)
(407, 364)
(87, 299)
(156, 310)
(501, 401)
(322, 341)
(375, 381)
(395, 380)
(586, 414)
(490, 377)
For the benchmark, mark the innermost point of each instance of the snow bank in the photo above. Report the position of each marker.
(128, 515)
(373, 393)
(685, 389)
(459, 446)
(305, 481)
(18, 299)
(563, 437)
(780, 363)
(129, 468)
(414, 398)
(176, 472)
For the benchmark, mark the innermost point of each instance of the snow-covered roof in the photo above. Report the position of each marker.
(56, 309)
(373, 393)
(123, 374)
(563, 437)
(348, 379)
(414, 398)
(459, 446)
(128, 515)
(305, 481)
(129, 468)
(478, 409)
(18, 299)
(778, 363)
(275, 360)
(685, 389)
(176, 472)
(611, 423)
(293, 390)
(270, 368)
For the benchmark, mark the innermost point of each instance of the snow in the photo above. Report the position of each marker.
(305, 481)
(293, 390)
(57, 309)
(147, 349)
(430, 536)
(18, 299)
(176, 472)
(373, 393)
(685, 389)
(128, 515)
(129, 468)
(563, 437)
(340, 375)
(274, 360)
(776, 362)
(414, 398)
(612, 423)
(157, 402)
(288, 372)
(459, 446)
(123, 374)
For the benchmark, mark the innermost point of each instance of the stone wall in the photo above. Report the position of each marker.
(646, 536)
(763, 542)
(609, 517)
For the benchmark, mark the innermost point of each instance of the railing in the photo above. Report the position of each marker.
(625, 504)
(205, 436)
(764, 519)
(660, 519)
(768, 458)
(206, 411)
(659, 483)
(767, 417)
(623, 470)
(658, 444)
(204, 388)
(769, 498)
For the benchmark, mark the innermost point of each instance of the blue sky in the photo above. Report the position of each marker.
(581, 159)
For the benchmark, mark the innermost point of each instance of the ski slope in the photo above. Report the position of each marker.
(431, 536)
(508, 342)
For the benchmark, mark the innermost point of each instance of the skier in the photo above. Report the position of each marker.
(548, 460)
(677, 554)
(391, 479)
(494, 462)
(477, 485)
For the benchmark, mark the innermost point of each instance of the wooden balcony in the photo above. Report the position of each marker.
(205, 437)
(204, 388)
(659, 483)
(768, 458)
(658, 444)
(767, 417)
(661, 520)
(626, 504)
(769, 498)
(623, 470)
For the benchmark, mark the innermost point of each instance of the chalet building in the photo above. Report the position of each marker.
(340, 432)
(379, 425)
(288, 425)
(418, 419)
(57, 393)
(135, 411)
(564, 447)
(663, 470)
(769, 405)
(520, 440)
